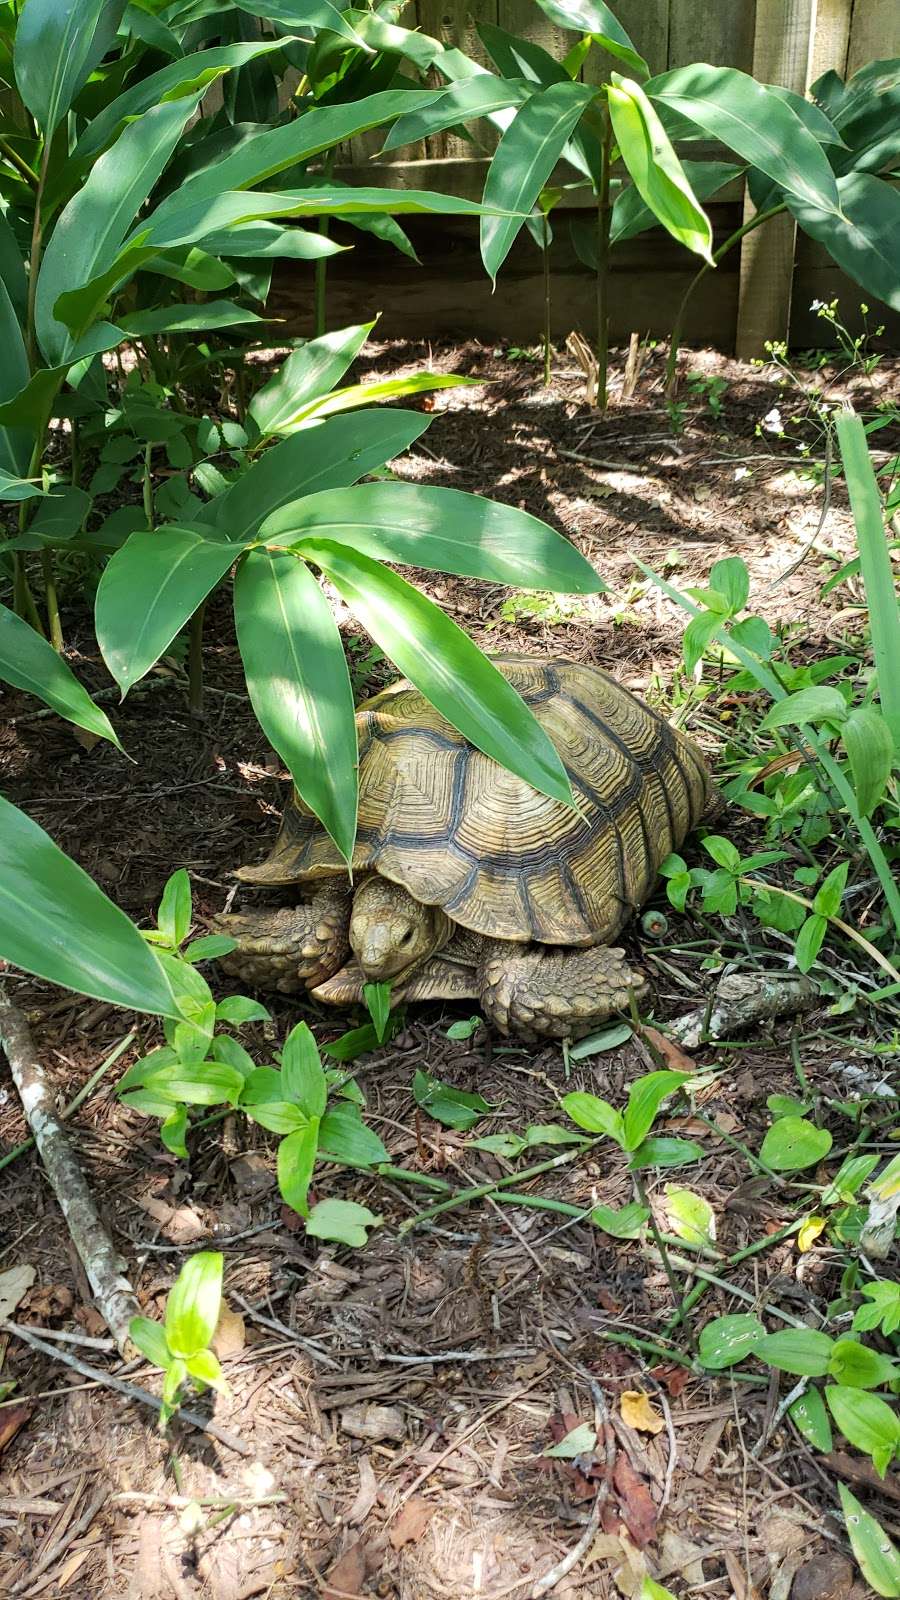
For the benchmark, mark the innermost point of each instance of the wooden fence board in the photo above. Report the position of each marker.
(455, 22)
(647, 24)
(832, 37)
(874, 32)
(720, 33)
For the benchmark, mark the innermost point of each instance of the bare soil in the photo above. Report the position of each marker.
(395, 1401)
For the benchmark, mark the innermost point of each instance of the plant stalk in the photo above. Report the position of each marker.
(51, 601)
(148, 486)
(321, 274)
(604, 223)
(195, 661)
(21, 166)
(681, 314)
(546, 253)
(464, 1197)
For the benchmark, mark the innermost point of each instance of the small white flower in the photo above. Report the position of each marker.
(741, 472)
(772, 421)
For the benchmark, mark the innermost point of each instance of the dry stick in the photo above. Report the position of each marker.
(604, 1432)
(84, 1092)
(105, 1268)
(131, 1391)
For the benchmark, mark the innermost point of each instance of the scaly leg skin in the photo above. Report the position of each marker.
(293, 949)
(537, 992)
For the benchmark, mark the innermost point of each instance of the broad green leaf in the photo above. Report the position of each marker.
(32, 406)
(455, 1108)
(14, 488)
(523, 161)
(90, 233)
(268, 241)
(176, 1374)
(651, 1590)
(304, 17)
(724, 853)
(758, 125)
(150, 1339)
(865, 238)
(604, 1039)
(345, 1137)
(12, 269)
(810, 1418)
(727, 1340)
(58, 45)
(655, 169)
(595, 1116)
(302, 1072)
(28, 662)
(365, 394)
(631, 215)
(173, 1131)
(624, 1223)
(809, 942)
(858, 1367)
(793, 1143)
(523, 60)
(596, 18)
(444, 664)
(204, 318)
(821, 703)
(875, 561)
(205, 1368)
(343, 1221)
(56, 923)
(665, 1152)
(15, 440)
(470, 97)
(296, 1159)
(173, 918)
(577, 1442)
(869, 744)
(442, 530)
(731, 579)
(299, 685)
(867, 1421)
(210, 947)
(288, 145)
(644, 1100)
(60, 516)
(224, 1048)
(149, 590)
(878, 1556)
(690, 1215)
(77, 308)
(872, 134)
(194, 218)
(331, 456)
(828, 897)
(802, 1351)
(180, 78)
(206, 1083)
(192, 1309)
(697, 635)
(377, 999)
(311, 371)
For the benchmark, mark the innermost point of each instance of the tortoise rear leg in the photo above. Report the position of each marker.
(537, 992)
(292, 949)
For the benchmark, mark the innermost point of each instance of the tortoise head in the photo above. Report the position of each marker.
(390, 932)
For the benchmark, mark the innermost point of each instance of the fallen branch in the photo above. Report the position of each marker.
(116, 1300)
(131, 1391)
(741, 999)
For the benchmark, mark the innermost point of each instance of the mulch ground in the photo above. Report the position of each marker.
(395, 1402)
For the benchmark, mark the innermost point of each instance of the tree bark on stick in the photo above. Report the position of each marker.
(115, 1299)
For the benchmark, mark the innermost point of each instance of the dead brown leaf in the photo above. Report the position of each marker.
(637, 1508)
(11, 1420)
(348, 1574)
(230, 1335)
(366, 1494)
(826, 1577)
(412, 1521)
(674, 1378)
(673, 1056)
(524, 1371)
(638, 1411)
(14, 1285)
(49, 1301)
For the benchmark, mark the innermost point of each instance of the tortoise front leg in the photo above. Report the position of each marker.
(292, 949)
(538, 992)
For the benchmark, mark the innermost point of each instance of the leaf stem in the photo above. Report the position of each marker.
(17, 161)
(321, 272)
(681, 314)
(699, 1289)
(464, 1197)
(546, 254)
(604, 222)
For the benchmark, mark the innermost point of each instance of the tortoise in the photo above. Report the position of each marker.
(469, 884)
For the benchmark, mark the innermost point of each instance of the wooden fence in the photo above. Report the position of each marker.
(763, 293)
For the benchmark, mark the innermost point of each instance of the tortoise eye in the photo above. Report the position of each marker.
(407, 937)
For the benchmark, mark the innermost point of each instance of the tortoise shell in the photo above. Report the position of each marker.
(460, 832)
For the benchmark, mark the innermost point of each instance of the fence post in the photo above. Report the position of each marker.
(782, 54)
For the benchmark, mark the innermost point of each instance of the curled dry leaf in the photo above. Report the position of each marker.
(639, 1412)
(348, 1574)
(366, 1494)
(636, 1506)
(11, 1420)
(14, 1285)
(673, 1057)
(412, 1521)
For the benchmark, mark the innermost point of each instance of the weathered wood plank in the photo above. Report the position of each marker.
(782, 53)
(455, 22)
(721, 33)
(832, 37)
(647, 24)
(874, 33)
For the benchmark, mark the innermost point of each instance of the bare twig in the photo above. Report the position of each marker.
(107, 1380)
(604, 1433)
(105, 1268)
